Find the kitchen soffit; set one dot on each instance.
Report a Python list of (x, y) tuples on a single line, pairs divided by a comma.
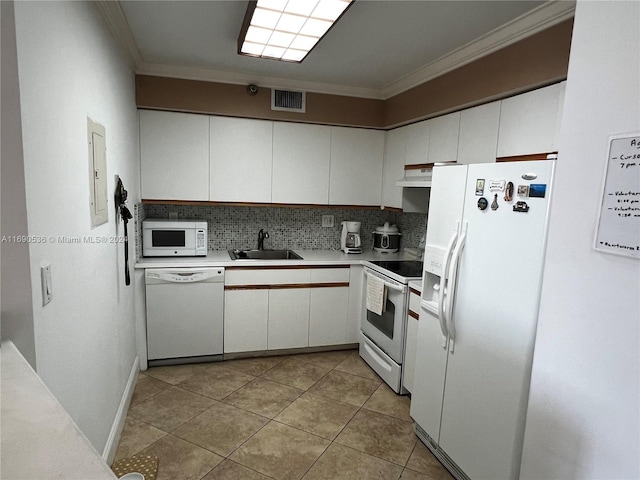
[(377, 50)]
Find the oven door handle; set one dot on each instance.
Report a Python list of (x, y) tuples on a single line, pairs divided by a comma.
[(392, 286)]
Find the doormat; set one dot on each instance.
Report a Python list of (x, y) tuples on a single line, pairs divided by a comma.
[(144, 464)]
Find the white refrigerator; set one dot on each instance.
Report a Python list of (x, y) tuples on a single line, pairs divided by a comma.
[(486, 234)]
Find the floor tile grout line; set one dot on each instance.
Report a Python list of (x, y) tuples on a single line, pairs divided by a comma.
[(273, 419)]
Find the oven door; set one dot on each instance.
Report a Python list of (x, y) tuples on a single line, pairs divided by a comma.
[(387, 330)]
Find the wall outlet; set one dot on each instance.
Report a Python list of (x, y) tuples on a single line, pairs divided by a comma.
[(327, 220), (45, 278)]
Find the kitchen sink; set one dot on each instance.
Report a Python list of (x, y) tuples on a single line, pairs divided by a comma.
[(264, 255)]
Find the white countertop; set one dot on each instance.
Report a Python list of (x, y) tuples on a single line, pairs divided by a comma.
[(39, 438), (416, 285), (221, 258)]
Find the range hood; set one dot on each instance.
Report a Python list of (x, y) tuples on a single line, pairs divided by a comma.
[(419, 175), (416, 176)]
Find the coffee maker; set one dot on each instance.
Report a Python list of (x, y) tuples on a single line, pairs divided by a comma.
[(350, 238)]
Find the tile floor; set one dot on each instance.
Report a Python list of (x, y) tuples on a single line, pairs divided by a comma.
[(313, 416)]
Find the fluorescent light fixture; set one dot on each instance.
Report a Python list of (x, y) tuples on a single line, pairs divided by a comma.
[(287, 30)]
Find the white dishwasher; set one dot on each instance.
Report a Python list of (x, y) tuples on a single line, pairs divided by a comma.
[(185, 309)]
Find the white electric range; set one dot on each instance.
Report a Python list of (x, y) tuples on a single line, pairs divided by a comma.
[(382, 337)]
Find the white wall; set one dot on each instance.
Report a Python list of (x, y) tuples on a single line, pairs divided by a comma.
[(583, 417), (70, 69), (17, 312)]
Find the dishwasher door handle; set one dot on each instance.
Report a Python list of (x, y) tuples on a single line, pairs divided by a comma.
[(191, 277), (185, 276)]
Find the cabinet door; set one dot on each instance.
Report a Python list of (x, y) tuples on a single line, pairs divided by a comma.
[(478, 139), (411, 343), (288, 318), (329, 306), (393, 168), (241, 157), (529, 122), (245, 320), (356, 166), (443, 138), (417, 150), (174, 156), (328, 321), (301, 157), (356, 302)]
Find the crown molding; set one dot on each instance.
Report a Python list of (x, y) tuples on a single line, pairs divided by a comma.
[(116, 21), (546, 15)]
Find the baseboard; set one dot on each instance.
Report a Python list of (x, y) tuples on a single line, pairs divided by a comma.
[(118, 423)]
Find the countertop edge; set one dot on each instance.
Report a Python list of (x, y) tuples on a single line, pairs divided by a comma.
[(220, 258), (39, 437)]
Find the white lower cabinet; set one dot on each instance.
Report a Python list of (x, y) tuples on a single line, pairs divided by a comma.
[(329, 307), (328, 316), (273, 309), (411, 341), (245, 320), (288, 318), (356, 286)]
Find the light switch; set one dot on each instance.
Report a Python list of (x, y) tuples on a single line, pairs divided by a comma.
[(45, 277)]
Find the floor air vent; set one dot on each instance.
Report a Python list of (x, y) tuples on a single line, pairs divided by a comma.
[(288, 100)]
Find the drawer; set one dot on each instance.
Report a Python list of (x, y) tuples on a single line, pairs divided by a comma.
[(266, 276), (330, 275)]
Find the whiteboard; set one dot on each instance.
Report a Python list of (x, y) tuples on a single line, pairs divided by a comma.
[(618, 228)]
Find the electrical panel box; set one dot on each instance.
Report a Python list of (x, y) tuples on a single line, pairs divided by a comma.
[(97, 173)]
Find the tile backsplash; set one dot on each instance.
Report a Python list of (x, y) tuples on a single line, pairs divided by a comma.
[(233, 227)]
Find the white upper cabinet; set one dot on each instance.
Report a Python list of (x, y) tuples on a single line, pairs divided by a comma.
[(443, 138), (393, 168), (241, 159), (529, 123), (301, 158), (417, 140), (174, 156), (478, 139), (356, 166)]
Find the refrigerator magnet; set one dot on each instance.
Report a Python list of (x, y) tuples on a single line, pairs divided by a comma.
[(482, 203), (494, 204), (523, 190), (521, 207), (480, 186), (537, 190), (508, 193), (497, 185)]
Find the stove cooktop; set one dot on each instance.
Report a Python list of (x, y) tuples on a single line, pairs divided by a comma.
[(409, 269)]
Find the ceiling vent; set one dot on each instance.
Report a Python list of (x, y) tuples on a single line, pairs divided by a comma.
[(288, 100)]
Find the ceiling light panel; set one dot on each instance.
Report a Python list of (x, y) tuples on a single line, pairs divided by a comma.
[(287, 29)]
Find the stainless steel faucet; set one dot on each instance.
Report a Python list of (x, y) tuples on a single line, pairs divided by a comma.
[(261, 236)]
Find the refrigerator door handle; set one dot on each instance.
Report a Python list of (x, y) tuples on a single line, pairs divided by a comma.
[(452, 281), (443, 284)]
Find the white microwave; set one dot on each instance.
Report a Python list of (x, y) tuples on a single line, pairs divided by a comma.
[(174, 238)]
